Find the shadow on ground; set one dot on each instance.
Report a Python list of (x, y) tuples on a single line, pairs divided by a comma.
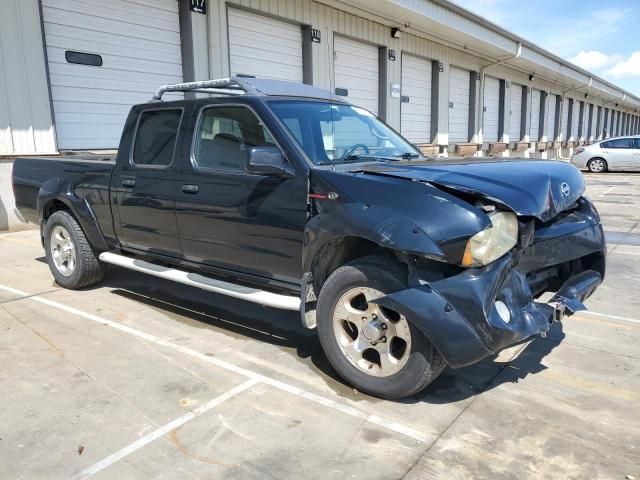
[(283, 329)]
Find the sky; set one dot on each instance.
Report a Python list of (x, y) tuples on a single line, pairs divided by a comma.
[(600, 36)]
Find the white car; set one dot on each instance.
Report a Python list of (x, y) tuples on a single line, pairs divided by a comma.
[(620, 153)]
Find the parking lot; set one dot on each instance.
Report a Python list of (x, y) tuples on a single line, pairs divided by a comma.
[(142, 378)]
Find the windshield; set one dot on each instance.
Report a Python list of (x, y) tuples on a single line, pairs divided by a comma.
[(333, 133)]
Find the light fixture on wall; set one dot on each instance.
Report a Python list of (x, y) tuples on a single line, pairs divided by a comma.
[(531, 77), (395, 32)]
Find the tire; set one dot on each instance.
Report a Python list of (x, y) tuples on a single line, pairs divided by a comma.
[(597, 165), (71, 259), (415, 367)]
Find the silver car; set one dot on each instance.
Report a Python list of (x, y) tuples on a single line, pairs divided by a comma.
[(620, 153)]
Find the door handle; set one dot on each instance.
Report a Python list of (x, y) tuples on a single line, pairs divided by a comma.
[(190, 188), (129, 183)]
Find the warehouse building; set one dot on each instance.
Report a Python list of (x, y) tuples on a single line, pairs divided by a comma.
[(446, 78)]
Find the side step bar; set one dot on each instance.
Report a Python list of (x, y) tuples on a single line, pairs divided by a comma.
[(250, 294)]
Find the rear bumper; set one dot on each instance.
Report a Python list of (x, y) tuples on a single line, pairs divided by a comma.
[(459, 314), (579, 161)]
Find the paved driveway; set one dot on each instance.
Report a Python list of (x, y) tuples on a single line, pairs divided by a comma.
[(140, 378)]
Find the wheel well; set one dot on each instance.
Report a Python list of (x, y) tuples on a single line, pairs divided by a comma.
[(598, 158), (51, 207), (340, 251)]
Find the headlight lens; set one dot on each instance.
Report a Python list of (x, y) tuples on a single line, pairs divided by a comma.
[(493, 242)]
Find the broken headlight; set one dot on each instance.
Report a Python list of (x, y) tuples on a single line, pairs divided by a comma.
[(492, 242)]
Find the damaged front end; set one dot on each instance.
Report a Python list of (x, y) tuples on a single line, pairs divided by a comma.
[(471, 313)]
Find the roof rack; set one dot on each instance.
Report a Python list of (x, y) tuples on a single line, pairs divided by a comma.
[(220, 86)]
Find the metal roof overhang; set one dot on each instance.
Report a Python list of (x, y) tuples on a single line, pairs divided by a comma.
[(454, 25)]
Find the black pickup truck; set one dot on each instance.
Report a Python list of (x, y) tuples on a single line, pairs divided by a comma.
[(286, 195)]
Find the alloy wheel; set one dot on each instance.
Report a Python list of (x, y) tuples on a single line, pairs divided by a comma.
[(63, 251), (374, 339)]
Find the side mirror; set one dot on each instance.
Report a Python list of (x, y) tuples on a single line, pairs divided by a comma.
[(268, 161)]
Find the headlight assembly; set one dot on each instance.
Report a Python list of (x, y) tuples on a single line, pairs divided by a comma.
[(492, 242)]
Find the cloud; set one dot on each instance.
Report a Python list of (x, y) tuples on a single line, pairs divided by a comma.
[(559, 33), (594, 60), (626, 68), (560, 38)]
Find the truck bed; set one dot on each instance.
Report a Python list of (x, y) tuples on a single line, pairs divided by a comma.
[(84, 176)]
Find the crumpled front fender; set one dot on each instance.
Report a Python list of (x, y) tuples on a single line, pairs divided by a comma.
[(459, 316), (447, 330)]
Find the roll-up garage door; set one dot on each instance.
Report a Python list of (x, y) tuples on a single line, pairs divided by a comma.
[(612, 124), (264, 47), (575, 118), (593, 113), (534, 123), (102, 58), (551, 117), (491, 116), (565, 119), (415, 109), (458, 105), (356, 70), (515, 108), (617, 125)]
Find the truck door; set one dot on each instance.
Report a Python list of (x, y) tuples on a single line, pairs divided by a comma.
[(144, 183), (230, 219)]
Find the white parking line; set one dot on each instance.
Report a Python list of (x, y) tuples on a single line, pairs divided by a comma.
[(608, 190), (178, 422), (622, 252), (606, 315), (342, 406)]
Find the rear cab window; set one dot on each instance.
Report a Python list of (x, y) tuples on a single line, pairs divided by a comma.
[(155, 138)]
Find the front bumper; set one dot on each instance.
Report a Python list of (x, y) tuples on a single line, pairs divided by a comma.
[(459, 316)]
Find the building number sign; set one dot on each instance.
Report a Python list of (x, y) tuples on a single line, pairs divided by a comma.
[(198, 6)]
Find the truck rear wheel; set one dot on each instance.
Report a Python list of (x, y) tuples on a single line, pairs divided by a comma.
[(71, 259), (375, 349)]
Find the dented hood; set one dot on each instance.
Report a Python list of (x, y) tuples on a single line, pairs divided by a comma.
[(536, 188)]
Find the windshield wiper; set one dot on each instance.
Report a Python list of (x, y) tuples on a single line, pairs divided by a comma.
[(408, 155), (354, 156)]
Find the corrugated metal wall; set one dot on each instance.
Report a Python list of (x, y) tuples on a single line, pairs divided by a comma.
[(25, 119), (25, 112)]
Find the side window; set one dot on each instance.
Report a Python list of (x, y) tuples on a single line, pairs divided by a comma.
[(224, 136), (155, 138), (605, 145), (620, 143), (636, 143)]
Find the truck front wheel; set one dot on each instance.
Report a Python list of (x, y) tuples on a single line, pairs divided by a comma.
[(71, 259), (375, 349)]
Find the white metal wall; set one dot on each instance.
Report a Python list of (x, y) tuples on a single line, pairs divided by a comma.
[(25, 112), (264, 47), (212, 49), (357, 70), (139, 44), (515, 110), (415, 119), (491, 116), (458, 105)]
